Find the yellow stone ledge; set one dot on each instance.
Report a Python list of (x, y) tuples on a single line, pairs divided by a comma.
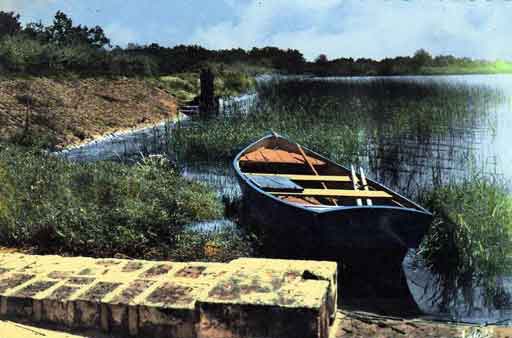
[(244, 298)]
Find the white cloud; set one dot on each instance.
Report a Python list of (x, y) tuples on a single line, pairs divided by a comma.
[(20, 5), (119, 34), (368, 28)]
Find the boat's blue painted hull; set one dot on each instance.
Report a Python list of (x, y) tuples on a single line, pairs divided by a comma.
[(296, 231), (300, 232)]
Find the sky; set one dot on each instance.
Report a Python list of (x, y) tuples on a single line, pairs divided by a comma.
[(480, 29)]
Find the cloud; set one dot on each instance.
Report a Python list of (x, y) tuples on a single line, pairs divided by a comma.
[(368, 28), (21, 5), (120, 35)]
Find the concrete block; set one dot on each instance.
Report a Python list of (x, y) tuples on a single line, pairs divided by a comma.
[(247, 298)]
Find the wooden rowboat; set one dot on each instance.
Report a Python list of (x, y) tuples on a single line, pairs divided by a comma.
[(303, 202)]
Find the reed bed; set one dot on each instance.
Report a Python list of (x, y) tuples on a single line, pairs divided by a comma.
[(340, 118), (469, 244)]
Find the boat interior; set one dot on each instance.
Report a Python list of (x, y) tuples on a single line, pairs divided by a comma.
[(296, 175)]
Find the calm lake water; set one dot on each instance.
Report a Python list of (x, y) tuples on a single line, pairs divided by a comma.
[(406, 162), (484, 145)]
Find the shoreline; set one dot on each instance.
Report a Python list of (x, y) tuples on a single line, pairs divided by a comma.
[(115, 133), (110, 145)]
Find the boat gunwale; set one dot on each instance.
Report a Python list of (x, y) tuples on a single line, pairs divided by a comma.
[(329, 209)]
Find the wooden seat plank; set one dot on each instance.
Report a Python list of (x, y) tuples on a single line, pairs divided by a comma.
[(275, 183), (307, 177), (336, 193)]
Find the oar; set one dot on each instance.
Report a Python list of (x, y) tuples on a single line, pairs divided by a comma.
[(354, 182), (365, 185), (314, 170)]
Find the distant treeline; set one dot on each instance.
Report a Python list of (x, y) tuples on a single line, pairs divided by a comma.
[(64, 47), (422, 62)]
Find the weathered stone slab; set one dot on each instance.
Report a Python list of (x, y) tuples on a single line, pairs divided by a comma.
[(245, 298), (235, 321), (299, 269), (269, 298)]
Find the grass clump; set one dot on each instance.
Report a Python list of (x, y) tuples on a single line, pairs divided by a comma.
[(99, 209), (232, 83), (470, 242), (223, 242), (185, 86)]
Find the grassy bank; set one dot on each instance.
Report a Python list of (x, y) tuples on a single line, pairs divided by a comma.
[(58, 111), (102, 209), (470, 242), (228, 82), (500, 67), (51, 112)]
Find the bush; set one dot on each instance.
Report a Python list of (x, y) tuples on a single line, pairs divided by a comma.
[(470, 241), (19, 54), (219, 244), (130, 65), (96, 209), (7, 200), (78, 58), (234, 83), (23, 54)]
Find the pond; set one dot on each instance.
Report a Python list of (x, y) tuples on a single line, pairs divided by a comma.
[(410, 133)]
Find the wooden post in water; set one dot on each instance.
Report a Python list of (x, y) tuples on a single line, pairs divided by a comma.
[(207, 104)]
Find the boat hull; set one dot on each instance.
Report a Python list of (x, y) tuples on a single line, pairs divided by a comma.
[(291, 229), (299, 232)]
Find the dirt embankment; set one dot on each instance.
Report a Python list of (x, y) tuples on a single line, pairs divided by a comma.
[(72, 111)]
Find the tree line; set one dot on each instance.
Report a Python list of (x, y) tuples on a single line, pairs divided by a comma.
[(63, 46), (422, 62)]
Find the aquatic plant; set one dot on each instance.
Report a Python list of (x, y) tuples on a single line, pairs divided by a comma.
[(340, 119), (469, 244)]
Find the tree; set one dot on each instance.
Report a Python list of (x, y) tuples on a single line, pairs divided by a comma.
[(9, 23), (322, 58), (63, 32), (37, 31), (421, 58)]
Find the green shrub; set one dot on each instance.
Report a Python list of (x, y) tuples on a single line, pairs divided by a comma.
[(470, 241), (23, 54), (20, 54), (78, 58), (131, 65), (179, 82), (7, 201), (184, 86), (223, 244), (233, 83), (97, 209)]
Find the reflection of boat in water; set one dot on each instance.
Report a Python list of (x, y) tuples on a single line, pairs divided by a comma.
[(303, 201)]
